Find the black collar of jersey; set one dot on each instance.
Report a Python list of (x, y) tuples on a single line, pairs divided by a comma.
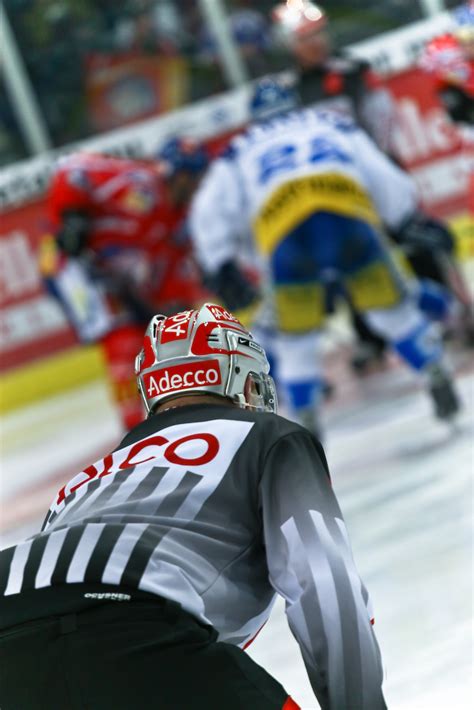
[(186, 412)]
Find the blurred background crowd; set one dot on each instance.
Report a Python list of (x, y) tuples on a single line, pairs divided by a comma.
[(97, 65)]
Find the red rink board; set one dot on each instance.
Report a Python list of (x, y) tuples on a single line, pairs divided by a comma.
[(30, 326), (430, 146)]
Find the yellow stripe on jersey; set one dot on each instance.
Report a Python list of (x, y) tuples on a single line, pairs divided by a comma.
[(297, 199)]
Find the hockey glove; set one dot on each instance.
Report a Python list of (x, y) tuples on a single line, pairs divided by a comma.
[(72, 236), (232, 287), (459, 104), (423, 232)]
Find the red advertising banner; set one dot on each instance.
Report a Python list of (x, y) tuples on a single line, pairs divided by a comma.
[(431, 147), (31, 325)]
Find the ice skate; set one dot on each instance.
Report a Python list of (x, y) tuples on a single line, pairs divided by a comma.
[(445, 400)]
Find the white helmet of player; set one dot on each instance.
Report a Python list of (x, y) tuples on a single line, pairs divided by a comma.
[(296, 18), (205, 351)]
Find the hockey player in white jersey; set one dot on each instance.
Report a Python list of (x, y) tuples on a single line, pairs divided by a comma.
[(159, 563), (314, 191)]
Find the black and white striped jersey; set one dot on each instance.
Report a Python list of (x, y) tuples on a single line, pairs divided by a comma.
[(218, 509)]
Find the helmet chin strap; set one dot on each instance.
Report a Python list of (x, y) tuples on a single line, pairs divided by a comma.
[(240, 401)]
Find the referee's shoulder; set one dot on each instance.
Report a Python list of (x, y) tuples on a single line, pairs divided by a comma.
[(271, 427), (276, 426)]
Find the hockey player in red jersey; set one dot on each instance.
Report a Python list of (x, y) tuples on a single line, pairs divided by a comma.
[(120, 251), (157, 565), (449, 58)]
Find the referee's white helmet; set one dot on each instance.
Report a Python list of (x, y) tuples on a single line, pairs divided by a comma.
[(205, 351)]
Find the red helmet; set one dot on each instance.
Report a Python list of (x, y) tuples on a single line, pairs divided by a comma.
[(296, 18), (205, 351)]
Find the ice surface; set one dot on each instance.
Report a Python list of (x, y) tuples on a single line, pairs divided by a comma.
[(404, 482)]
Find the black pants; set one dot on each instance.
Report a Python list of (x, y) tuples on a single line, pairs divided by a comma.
[(129, 656)]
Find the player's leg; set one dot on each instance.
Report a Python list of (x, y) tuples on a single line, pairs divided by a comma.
[(300, 377), (418, 342), (369, 347), (378, 289), (119, 348), (300, 311)]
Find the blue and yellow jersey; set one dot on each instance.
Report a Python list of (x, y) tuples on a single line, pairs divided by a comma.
[(278, 173)]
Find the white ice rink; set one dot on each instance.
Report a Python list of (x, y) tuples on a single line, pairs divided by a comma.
[(404, 482)]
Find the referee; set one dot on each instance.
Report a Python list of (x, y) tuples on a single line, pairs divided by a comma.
[(157, 565)]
